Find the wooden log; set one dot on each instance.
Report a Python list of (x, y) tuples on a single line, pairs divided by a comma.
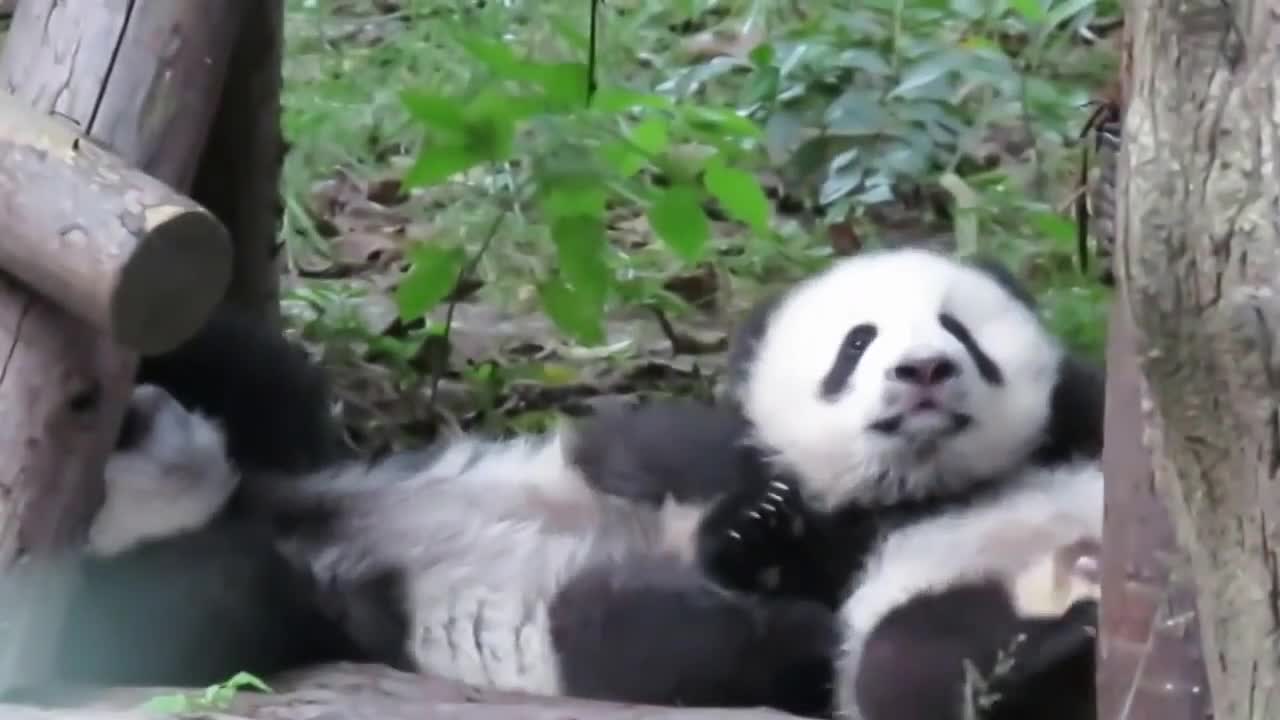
[(239, 176), (115, 247), (353, 691), (148, 95), (156, 90)]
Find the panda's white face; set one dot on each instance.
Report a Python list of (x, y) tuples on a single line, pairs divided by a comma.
[(899, 373)]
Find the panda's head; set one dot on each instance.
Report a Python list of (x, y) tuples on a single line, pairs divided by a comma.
[(896, 374)]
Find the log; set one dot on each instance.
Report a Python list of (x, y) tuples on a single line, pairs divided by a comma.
[(63, 386), (154, 94), (110, 244), (1198, 264), (239, 176), (354, 691)]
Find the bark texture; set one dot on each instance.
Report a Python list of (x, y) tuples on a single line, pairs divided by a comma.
[(140, 77), (1199, 261), (348, 691), (110, 244), (1150, 665)]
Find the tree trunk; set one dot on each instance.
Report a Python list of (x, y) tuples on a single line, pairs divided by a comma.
[(349, 691), (1199, 264), (1149, 664), (108, 243), (239, 175), (140, 77)]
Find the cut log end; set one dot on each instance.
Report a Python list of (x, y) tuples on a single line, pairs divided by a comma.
[(176, 275)]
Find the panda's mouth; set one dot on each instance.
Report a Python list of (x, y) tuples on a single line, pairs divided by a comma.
[(953, 422)]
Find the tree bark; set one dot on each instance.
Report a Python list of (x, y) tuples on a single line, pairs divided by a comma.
[(1199, 264), (110, 244), (140, 77), (350, 691), (1149, 660), (239, 175)]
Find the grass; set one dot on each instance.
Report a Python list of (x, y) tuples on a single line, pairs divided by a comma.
[(948, 122)]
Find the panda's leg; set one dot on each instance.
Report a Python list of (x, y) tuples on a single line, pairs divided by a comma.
[(271, 400), (940, 657), (654, 630), (1050, 672)]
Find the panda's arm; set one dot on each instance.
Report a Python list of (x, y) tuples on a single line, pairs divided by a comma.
[(768, 540), (681, 449), (269, 398)]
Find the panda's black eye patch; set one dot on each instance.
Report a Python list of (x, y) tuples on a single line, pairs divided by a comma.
[(855, 343), (987, 367)]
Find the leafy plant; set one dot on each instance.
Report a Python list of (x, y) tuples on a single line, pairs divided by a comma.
[(214, 697), (621, 146)]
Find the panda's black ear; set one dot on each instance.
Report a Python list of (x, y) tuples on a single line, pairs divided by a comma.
[(998, 271), (1077, 407)]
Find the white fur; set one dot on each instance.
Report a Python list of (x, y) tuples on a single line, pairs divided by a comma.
[(1002, 538), (901, 292), (488, 531), (175, 480)]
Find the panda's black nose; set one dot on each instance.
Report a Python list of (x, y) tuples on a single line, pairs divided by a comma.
[(925, 371)]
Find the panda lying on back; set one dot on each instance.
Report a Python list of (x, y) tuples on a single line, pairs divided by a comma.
[(576, 563)]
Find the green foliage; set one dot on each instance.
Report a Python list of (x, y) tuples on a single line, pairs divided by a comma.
[(215, 697), (858, 110), (622, 146)]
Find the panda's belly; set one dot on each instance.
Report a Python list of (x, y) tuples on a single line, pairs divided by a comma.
[(480, 613)]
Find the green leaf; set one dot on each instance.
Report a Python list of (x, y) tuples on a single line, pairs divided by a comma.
[(177, 703), (1030, 10), (496, 55), (623, 158), (619, 100), (568, 200), (564, 83), (436, 111), (926, 71), (721, 120), (677, 217), (1055, 227), (650, 135), (437, 162), (429, 281), (740, 194), (247, 680), (580, 245), (572, 311), (1066, 10)]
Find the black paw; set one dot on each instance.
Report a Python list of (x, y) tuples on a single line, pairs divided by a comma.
[(754, 541)]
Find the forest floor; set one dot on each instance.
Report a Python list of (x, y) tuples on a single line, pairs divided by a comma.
[(952, 122)]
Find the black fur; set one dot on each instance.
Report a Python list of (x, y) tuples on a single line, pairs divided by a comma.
[(198, 608), (653, 630), (685, 449), (913, 664)]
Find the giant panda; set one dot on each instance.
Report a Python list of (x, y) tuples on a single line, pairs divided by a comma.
[(598, 561), (178, 585), (933, 450)]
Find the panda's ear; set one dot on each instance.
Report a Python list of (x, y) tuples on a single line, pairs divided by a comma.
[(998, 271)]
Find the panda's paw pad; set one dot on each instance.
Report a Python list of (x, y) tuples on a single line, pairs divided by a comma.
[(747, 541)]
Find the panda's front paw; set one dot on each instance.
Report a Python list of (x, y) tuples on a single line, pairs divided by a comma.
[(750, 540), (168, 474)]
